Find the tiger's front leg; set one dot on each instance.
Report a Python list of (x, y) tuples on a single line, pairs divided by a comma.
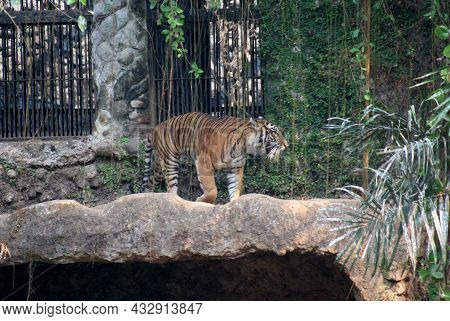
[(205, 173), (235, 177)]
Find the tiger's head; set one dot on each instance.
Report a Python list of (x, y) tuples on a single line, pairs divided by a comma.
[(268, 140)]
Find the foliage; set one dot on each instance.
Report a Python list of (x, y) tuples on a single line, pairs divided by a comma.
[(432, 274), (409, 192), (81, 21), (171, 18), (409, 195), (308, 75), (125, 172)]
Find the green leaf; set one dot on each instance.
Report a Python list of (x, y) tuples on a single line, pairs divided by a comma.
[(445, 74), (71, 2), (355, 33), (15, 4), (196, 70), (437, 275), (377, 5), (443, 115), (82, 23), (423, 275), (431, 14), (446, 294), (83, 2), (153, 4), (441, 32), (164, 7), (446, 51), (178, 22)]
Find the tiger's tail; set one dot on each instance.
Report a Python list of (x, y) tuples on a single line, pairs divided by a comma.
[(147, 167)]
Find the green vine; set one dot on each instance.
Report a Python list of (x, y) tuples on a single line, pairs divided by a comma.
[(171, 17)]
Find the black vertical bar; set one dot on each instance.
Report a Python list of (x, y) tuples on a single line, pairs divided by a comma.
[(71, 89), (44, 123), (245, 89), (62, 81), (259, 73), (192, 43), (89, 66), (252, 74), (216, 66), (19, 107), (11, 106), (80, 89), (261, 80), (2, 85), (175, 85), (9, 130), (14, 78), (5, 83), (256, 78), (33, 80), (206, 54), (52, 81), (25, 113)]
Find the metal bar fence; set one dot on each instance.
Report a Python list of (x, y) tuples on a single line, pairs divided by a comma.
[(46, 87), (225, 45)]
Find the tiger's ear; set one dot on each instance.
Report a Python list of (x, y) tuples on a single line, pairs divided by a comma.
[(252, 122)]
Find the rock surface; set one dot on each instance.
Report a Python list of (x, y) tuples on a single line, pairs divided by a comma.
[(46, 153), (161, 228), (119, 55)]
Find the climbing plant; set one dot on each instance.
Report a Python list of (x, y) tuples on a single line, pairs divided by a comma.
[(81, 21), (408, 199), (308, 70)]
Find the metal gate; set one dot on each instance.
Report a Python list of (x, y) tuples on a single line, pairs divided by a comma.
[(46, 87), (224, 43)]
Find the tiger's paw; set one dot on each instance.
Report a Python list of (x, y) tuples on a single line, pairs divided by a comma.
[(206, 199)]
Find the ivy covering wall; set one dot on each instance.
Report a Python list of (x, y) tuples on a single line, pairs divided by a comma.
[(312, 56)]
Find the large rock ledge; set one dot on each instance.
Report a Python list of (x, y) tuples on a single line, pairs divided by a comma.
[(160, 228)]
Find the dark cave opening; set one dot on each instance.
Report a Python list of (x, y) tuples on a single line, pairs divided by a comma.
[(293, 276)]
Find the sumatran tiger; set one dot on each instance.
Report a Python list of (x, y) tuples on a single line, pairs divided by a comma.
[(215, 144)]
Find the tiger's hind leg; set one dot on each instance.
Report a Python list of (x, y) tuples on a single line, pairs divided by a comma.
[(171, 174), (235, 177), (205, 173), (156, 178), (153, 174)]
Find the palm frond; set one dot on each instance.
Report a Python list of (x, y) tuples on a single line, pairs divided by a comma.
[(408, 200)]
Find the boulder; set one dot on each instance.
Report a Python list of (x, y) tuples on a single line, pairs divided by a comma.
[(161, 228)]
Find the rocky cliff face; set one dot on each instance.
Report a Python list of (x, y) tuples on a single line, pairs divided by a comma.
[(163, 228)]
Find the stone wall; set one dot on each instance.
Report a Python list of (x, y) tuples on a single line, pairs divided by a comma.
[(40, 170), (82, 169), (120, 45)]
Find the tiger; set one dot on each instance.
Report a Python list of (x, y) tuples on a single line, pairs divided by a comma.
[(214, 144)]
